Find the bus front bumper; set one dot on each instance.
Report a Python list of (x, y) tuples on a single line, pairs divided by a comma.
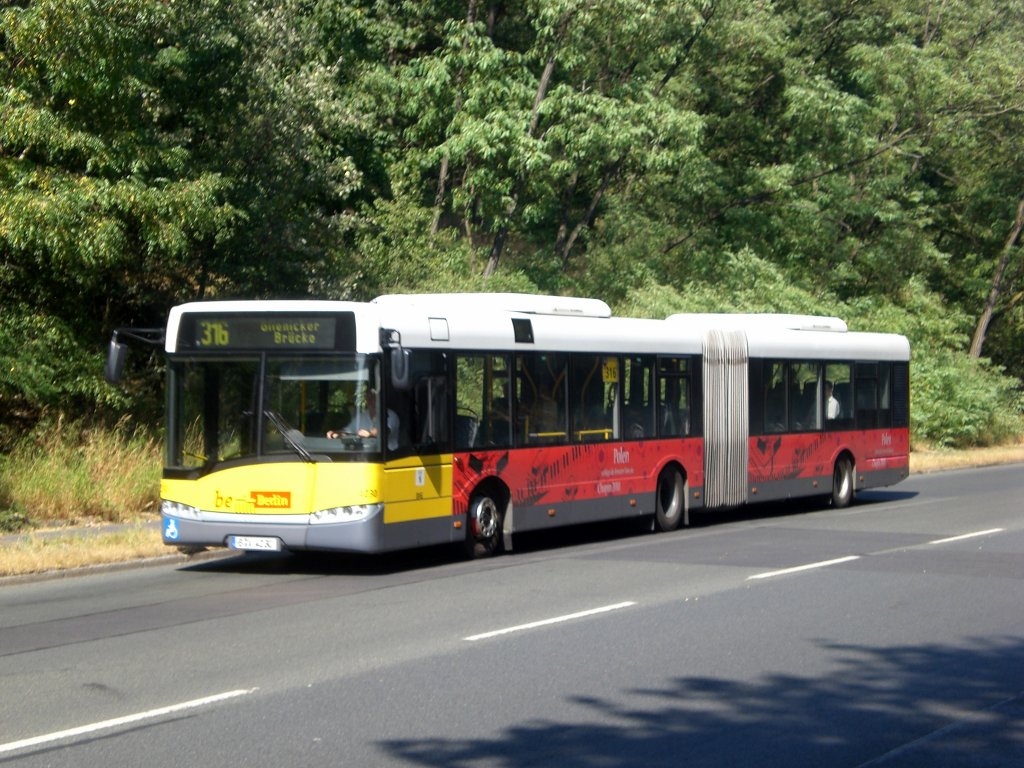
[(196, 528)]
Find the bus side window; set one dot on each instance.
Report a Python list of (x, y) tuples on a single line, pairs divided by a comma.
[(420, 413), (469, 399), (673, 397), (541, 386), (884, 395), (804, 385), (431, 429), (497, 425), (865, 393), (774, 389), (637, 398), (594, 397), (838, 396), (900, 394), (755, 404)]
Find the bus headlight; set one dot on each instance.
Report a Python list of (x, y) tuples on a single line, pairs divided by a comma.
[(345, 514), (177, 509)]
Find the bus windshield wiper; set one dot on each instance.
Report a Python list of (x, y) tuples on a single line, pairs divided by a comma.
[(286, 431)]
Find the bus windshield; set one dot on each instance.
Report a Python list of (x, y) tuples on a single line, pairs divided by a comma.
[(265, 406)]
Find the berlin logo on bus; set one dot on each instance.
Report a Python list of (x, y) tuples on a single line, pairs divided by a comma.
[(272, 499), (256, 500)]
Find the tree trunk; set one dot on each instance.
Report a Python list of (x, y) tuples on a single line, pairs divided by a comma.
[(442, 175), (565, 241), (542, 91), (978, 341), (442, 184)]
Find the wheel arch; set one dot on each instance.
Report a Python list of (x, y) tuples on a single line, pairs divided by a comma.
[(842, 498), (847, 453), (680, 465), (675, 464), (496, 488)]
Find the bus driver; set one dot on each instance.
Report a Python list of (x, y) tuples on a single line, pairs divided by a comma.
[(365, 423)]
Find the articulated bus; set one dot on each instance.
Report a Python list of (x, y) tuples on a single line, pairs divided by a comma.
[(419, 420)]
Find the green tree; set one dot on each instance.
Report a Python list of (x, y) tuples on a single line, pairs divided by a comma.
[(152, 152), (513, 127), (850, 157), (89, 194)]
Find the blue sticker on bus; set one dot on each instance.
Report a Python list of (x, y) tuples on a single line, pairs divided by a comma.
[(171, 532)]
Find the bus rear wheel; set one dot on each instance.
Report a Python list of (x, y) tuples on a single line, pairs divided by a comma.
[(484, 537), (842, 483), (669, 500)]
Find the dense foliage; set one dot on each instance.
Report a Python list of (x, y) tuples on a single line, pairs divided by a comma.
[(850, 157)]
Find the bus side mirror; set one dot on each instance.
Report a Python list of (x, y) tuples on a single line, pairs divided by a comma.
[(399, 368), (116, 355), (391, 340)]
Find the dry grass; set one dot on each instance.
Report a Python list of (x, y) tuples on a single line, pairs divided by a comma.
[(923, 460), (69, 475), (42, 552)]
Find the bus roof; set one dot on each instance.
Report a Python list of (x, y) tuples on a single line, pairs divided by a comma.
[(527, 303), (741, 321), (498, 331), (511, 321), (789, 336)]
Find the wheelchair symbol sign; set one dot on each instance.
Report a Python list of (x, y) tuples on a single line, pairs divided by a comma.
[(171, 531)]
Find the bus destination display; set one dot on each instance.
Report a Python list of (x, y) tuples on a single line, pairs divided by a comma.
[(281, 332)]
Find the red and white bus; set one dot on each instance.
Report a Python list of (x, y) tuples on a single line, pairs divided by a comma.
[(415, 420)]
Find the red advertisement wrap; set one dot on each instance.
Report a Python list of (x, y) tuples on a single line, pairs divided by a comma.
[(550, 476), (785, 457)]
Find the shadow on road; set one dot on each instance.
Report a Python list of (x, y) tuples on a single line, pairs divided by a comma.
[(929, 706)]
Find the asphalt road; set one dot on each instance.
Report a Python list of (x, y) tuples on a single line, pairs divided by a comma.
[(887, 634)]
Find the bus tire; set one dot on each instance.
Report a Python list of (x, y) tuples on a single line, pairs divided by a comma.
[(842, 483), (485, 521), (669, 499)]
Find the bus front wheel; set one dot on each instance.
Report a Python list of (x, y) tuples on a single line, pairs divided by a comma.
[(484, 537), (842, 483), (669, 499)]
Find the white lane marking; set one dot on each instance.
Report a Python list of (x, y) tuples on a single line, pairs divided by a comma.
[(989, 532), (546, 622), (119, 721), (808, 567)]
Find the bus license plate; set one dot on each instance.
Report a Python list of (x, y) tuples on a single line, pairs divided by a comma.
[(255, 543)]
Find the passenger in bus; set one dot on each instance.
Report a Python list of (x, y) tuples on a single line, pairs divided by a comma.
[(365, 423), (832, 408)]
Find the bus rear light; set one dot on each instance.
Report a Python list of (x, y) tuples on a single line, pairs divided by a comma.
[(345, 514)]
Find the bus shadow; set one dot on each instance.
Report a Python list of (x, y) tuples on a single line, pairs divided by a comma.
[(328, 563), (790, 507), (404, 561)]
